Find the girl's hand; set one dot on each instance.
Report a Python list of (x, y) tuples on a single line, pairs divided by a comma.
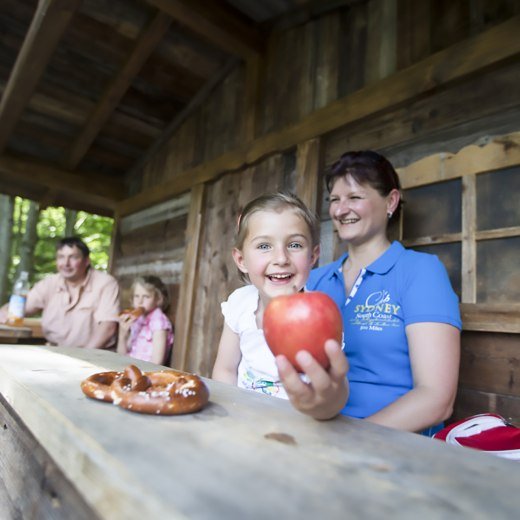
[(327, 391), (125, 322)]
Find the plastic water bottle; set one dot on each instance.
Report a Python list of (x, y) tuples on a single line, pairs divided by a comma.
[(16, 311)]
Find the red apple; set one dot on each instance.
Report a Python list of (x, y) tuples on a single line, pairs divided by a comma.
[(302, 321)]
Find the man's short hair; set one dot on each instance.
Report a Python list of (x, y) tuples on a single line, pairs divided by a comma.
[(74, 242)]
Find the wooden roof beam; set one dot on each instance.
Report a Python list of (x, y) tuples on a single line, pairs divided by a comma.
[(48, 24), (148, 40), (489, 49), (87, 189), (215, 24)]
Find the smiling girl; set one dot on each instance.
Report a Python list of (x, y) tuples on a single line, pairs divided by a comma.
[(276, 245)]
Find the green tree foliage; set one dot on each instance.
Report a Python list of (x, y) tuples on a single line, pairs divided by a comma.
[(94, 230)]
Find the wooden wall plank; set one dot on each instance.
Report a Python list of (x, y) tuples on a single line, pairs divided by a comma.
[(217, 275), (413, 32), (490, 362), (308, 162), (468, 57), (492, 317)]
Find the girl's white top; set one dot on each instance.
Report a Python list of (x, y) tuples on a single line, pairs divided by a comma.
[(257, 369)]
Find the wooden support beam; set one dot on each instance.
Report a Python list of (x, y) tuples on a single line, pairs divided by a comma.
[(48, 24), (148, 40), (469, 244), (491, 317), (87, 190), (215, 24), (487, 50), (184, 316), (307, 172)]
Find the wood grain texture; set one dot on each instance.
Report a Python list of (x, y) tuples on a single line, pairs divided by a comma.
[(48, 24), (31, 484), (242, 456), (487, 50)]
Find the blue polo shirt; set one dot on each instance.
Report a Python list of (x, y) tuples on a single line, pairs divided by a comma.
[(400, 288)]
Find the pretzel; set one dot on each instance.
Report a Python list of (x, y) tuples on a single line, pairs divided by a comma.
[(165, 392), (99, 386), (135, 313)]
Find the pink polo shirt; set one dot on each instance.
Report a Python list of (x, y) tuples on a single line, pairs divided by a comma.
[(70, 317)]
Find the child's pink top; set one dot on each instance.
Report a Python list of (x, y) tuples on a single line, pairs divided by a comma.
[(141, 334)]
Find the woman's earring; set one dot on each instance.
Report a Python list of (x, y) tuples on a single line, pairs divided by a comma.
[(389, 215)]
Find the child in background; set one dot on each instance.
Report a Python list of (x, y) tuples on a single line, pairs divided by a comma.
[(148, 337), (277, 244)]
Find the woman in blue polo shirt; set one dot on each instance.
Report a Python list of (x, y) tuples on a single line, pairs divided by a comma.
[(400, 314)]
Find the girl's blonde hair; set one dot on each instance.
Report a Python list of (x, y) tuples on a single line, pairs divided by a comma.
[(156, 285), (277, 202)]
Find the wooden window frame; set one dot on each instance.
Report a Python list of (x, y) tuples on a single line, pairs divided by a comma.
[(500, 153)]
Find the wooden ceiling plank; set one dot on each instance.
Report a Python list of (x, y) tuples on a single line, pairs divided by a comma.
[(93, 188), (177, 121), (48, 24), (150, 37), (244, 40), (489, 49)]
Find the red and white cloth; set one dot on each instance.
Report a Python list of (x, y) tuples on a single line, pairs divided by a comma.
[(485, 432)]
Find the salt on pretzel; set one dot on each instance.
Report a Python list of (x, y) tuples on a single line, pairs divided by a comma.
[(99, 386), (165, 392)]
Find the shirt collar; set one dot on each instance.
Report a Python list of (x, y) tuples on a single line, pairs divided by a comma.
[(387, 260), (85, 284), (380, 266)]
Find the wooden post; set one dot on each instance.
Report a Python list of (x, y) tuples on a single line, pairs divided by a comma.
[(469, 245), (183, 317)]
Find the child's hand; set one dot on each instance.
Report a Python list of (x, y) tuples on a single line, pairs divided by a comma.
[(327, 391), (125, 322)]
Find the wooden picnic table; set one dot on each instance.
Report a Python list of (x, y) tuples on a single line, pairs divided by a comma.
[(9, 334), (244, 456)]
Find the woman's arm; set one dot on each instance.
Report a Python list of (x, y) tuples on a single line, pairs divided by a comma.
[(225, 368), (434, 357), (159, 339), (327, 391)]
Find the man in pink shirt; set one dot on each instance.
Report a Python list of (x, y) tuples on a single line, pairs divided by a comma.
[(79, 305)]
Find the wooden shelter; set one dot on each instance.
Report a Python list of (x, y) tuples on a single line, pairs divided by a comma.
[(171, 114)]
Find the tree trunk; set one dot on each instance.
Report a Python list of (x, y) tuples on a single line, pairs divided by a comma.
[(29, 239), (70, 221), (6, 229)]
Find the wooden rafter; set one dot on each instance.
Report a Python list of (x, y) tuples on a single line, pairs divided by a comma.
[(149, 38), (48, 24), (215, 25), (92, 189), (489, 49)]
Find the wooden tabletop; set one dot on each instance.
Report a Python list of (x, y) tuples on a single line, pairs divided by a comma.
[(10, 334), (244, 456)]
